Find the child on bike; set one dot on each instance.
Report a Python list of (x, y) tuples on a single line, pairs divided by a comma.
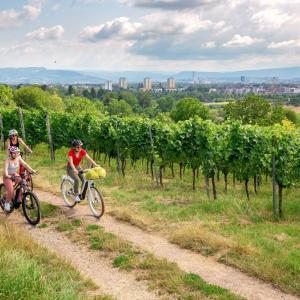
[(75, 155), (11, 171)]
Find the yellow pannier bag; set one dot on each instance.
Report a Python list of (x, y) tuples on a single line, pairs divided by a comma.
[(95, 173)]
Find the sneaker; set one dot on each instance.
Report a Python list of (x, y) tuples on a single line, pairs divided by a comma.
[(77, 199), (7, 207)]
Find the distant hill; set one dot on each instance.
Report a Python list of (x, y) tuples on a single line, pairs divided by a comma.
[(281, 73), (44, 76), (133, 76)]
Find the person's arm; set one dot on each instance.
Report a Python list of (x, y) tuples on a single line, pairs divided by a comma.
[(25, 146), (6, 169), (91, 160), (26, 165), (72, 165)]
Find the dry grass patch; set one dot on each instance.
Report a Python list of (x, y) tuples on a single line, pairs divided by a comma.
[(128, 216), (196, 237)]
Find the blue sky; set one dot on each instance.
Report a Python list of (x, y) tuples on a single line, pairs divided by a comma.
[(154, 35)]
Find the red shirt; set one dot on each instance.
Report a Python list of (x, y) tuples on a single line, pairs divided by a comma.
[(76, 160)]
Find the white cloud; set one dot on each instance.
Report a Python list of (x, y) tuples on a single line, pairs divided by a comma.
[(170, 4), (284, 44), (209, 45), (44, 33), (241, 41), (12, 17), (120, 28), (269, 19), (149, 27)]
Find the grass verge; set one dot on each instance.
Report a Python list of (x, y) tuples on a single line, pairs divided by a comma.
[(29, 271)]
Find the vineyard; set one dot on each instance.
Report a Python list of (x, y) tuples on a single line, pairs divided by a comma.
[(247, 153)]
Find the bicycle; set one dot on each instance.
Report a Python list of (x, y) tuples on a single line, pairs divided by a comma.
[(94, 197), (29, 200)]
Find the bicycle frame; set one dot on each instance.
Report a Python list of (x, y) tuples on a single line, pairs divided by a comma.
[(85, 186)]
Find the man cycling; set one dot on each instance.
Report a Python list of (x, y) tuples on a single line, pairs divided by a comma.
[(75, 155)]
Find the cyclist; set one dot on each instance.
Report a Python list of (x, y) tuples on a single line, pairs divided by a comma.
[(11, 170), (15, 140), (75, 155)]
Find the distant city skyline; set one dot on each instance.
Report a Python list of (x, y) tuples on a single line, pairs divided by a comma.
[(154, 35)]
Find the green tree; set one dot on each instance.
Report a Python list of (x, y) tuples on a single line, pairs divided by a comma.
[(34, 97), (80, 105), (130, 98), (166, 104), (120, 107), (144, 99), (292, 116), (71, 90), (6, 97), (109, 97), (278, 114), (188, 108), (251, 110)]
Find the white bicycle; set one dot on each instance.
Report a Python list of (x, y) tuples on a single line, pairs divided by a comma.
[(94, 197)]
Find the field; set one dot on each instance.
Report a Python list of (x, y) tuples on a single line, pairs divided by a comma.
[(231, 229)]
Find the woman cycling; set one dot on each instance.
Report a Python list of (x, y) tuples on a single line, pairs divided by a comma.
[(11, 171), (75, 155), (15, 140)]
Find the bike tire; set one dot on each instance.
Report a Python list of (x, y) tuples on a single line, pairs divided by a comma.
[(2, 192), (96, 202), (31, 208), (65, 188)]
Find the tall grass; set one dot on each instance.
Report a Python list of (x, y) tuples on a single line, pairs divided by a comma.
[(28, 271)]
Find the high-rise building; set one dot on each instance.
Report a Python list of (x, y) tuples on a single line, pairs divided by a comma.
[(171, 83), (243, 79), (108, 86), (123, 84), (147, 84)]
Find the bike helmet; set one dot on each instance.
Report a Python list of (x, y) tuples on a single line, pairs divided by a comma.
[(76, 143), (14, 149), (13, 132)]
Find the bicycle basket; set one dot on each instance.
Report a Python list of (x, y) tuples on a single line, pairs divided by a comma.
[(95, 173)]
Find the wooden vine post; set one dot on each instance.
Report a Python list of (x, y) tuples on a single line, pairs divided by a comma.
[(1, 133), (153, 155), (22, 126), (274, 179), (50, 137)]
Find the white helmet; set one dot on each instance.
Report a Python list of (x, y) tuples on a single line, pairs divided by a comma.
[(13, 132), (14, 149)]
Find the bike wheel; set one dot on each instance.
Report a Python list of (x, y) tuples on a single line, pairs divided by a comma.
[(2, 195), (96, 202), (31, 208), (67, 192)]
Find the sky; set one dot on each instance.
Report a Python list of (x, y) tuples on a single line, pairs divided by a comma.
[(153, 35)]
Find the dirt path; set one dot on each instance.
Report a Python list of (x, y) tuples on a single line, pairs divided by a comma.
[(91, 265), (210, 270)]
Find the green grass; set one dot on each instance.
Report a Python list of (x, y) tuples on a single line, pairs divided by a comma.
[(243, 233), (29, 271)]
